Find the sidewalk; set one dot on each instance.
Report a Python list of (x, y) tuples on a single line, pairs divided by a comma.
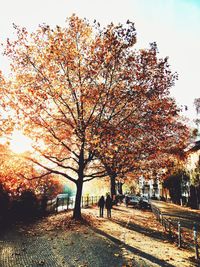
[(131, 238), (185, 215)]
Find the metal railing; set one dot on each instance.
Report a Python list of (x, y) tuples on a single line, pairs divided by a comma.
[(67, 203), (177, 230)]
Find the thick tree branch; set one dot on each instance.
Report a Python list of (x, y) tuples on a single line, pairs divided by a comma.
[(50, 170)]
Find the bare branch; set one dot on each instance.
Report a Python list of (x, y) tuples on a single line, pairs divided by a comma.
[(52, 170), (36, 177)]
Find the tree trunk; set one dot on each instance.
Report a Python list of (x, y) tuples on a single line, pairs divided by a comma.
[(193, 197), (112, 176), (77, 207), (120, 189), (113, 185), (79, 186)]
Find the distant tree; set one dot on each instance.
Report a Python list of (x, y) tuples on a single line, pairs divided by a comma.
[(196, 132), (197, 105), (4, 202), (28, 204), (16, 176), (173, 183)]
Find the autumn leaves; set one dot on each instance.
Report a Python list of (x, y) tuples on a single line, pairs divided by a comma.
[(99, 106)]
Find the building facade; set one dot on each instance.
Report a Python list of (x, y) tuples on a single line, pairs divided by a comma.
[(151, 188)]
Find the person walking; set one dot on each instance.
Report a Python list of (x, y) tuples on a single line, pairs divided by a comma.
[(101, 204), (108, 205)]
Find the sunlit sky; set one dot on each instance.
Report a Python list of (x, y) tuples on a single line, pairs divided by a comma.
[(20, 143), (173, 24)]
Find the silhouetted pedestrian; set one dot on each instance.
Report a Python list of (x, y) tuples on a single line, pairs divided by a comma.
[(108, 206), (101, 204)]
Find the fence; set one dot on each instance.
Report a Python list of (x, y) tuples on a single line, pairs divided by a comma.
[(66, 203), (184, 234)]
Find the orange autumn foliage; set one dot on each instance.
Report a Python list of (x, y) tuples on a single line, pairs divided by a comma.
[(87, 97), (16, 176)]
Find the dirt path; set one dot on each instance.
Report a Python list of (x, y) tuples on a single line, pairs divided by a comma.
[(131, 238), (185, 215)]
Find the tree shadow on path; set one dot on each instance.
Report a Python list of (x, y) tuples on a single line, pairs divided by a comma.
[(77, 247), (140, 229), (143, 255), (121, 210)]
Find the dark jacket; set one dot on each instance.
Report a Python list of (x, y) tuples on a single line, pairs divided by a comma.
[(101, 202), (108, 202)]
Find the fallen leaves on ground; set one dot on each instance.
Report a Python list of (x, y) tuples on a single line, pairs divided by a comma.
[(139, 230), (56, 222)]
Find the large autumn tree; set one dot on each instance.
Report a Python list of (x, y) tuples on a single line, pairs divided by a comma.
[(77, 86)]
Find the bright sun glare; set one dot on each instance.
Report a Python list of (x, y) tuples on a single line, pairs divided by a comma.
[(20, 143)]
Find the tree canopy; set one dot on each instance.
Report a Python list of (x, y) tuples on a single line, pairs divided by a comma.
[(84, 94)]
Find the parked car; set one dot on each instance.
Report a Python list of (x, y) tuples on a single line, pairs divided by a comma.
[(144, 203), (132, 200)]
